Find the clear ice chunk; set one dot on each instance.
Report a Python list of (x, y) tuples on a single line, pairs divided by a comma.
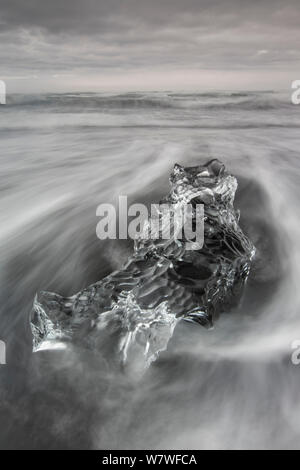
[(131, 314)]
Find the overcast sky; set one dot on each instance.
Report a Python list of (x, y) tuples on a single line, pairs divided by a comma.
[(61, 45)]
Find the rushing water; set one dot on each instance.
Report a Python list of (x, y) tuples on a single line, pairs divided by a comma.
[(61, 156)]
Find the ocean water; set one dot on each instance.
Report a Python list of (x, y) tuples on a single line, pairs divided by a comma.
[(233, 387)]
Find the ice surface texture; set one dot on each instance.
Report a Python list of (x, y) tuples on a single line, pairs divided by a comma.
[(131, 314)]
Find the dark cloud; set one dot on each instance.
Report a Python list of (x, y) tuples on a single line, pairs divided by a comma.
[(90, 15), (82, 36)]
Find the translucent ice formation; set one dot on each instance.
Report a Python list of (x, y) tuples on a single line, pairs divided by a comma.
[(131, 314)]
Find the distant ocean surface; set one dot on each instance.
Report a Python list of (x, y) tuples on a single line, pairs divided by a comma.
[(64, 154)]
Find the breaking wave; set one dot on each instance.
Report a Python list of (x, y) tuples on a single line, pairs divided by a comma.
[(83, 102)]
